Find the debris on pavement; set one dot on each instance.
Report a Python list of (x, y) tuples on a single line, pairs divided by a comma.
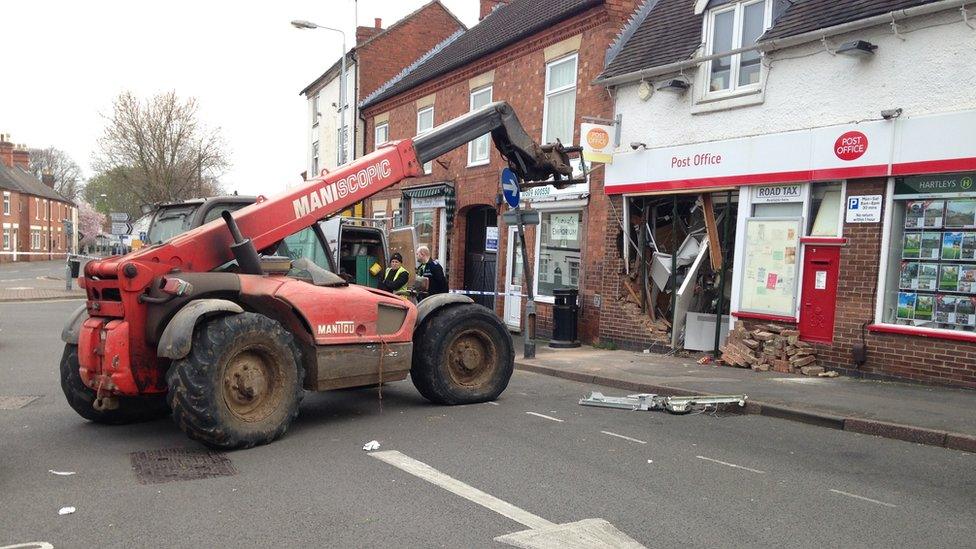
[(769, 347), (66, 510), (828, 374), (371, 445), (61, 473), (650, 401)]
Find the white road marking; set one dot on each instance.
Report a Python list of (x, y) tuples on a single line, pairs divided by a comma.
[(732, 465), (623, 437), (426, 472), (848, 494), (31, 545), (545, 416)]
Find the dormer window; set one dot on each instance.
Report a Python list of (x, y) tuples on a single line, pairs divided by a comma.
[(730, 26)]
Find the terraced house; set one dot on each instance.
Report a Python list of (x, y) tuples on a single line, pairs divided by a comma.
[(33, 216)]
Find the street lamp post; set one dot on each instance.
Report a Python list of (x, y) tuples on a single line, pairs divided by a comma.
[(343, 132)]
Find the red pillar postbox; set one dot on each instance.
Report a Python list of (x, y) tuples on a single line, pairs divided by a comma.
[(818, 298)]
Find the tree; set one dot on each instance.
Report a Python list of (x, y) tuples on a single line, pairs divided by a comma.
[(66, 172), (90, 224), (111, 192), (158, 151)]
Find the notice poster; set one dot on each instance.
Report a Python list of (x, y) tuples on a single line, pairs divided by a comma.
[(924, 307), (909, 276), (934, 210), (769, 284), (911, 246), (928, 276), (966, 311), (906, 305), (967, 279), (564, 226), (930, 245), (945, 309), (960, 214), (952, 246), (914, 215), (968, 246), (949, 278)]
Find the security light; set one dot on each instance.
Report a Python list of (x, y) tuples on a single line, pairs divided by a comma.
[(674, 85), (857, 48)]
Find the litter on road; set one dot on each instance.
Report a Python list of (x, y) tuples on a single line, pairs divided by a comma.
[(61, 473), (66, 510), (650, 401), (371, 445)]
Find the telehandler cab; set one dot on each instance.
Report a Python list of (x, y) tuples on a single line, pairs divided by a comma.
[(227, 339)]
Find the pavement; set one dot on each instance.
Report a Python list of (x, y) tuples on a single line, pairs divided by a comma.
[(35, 281), (918, 413), (704, 480)]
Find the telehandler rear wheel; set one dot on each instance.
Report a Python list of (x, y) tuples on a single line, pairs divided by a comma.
[(463, 355), (81, 398), (241, 384)]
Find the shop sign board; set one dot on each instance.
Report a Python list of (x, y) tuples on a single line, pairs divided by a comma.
[(427, 202), (946, 185), (564, 226), (548, 193), (768, 194), (491, 239), (596, 142), (864, 209)]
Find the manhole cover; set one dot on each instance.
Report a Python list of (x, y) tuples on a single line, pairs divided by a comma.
[(172, 464), (16, 402)]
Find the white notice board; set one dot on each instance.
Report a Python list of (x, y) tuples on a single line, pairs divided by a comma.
[(769, 271)]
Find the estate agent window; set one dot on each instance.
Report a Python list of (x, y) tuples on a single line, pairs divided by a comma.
[(425, 123), (930, 278), (728, 28), (479, 148), (560, 103), (559, 251)]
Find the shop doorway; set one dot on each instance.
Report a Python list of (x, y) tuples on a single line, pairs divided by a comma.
[(481, 253), (513, 281)]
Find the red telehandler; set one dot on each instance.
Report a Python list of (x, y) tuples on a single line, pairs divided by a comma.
[(219, 328)]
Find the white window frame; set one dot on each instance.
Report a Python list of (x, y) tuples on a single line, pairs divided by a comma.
[(734, 89), (315, 159), (574, 57), (565, 206), (315, 109), (6, 238), (6, 203), (472, 146), (381, 128), (340, 144), (429, 166)]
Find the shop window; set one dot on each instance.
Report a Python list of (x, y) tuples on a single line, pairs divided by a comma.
[(931, 274), (730, 27), (559, 251), (423, 221), (825, 210), (479, 148), (560, 102), (381, 134), (425, 123)]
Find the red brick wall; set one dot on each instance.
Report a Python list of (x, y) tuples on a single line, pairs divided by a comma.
[(519, 78), (385, 56)]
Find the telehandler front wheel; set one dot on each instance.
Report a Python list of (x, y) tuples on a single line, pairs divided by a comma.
[(463, 355), (241, 384), (81, 398)]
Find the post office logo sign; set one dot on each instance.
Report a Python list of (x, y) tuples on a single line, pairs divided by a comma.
[(851, 146)]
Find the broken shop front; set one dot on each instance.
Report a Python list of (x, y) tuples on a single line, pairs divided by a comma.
[(857, 240)]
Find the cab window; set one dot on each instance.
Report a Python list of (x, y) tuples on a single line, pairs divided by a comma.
[(305, 243)]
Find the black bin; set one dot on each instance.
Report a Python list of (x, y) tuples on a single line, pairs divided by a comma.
[(564, 314), (75, 267)]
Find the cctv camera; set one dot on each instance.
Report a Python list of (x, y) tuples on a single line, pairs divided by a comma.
[(888, 114), (637, 145)]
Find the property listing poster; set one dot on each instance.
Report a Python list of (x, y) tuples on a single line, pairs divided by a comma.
[(770, 267)]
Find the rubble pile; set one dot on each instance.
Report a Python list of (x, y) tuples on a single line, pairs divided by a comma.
[(770, 347)]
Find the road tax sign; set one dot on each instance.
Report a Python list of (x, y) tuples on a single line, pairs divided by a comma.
[(510, 187), (119, 217)]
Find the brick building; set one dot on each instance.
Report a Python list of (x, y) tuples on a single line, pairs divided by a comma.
[(32, 214), (540, 57), (848, 149), (378, 55)]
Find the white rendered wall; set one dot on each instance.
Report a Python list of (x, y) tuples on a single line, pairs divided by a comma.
[(327, 130), (933, 70)]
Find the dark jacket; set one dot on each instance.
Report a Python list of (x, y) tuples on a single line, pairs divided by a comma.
[(433, 271)]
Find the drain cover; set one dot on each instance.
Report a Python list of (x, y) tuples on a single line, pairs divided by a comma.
[(16, 402), (172, 464)]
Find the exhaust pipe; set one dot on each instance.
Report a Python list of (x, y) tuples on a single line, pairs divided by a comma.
[(243, 249)]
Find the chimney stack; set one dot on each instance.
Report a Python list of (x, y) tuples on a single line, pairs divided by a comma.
[(378, 23), (6, 151), (21, 157), (488, 6)]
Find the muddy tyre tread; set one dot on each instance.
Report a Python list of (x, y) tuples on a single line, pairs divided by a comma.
[(429, 371), (80, 397), (195, 397)]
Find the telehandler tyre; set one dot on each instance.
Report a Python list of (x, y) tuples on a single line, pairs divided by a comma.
[(463, 355), (241, 384), (80, 397)]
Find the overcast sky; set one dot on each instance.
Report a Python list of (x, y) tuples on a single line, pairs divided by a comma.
[(65, 60)]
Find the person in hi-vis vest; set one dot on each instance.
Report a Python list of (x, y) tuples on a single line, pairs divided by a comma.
[(396, 278)]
